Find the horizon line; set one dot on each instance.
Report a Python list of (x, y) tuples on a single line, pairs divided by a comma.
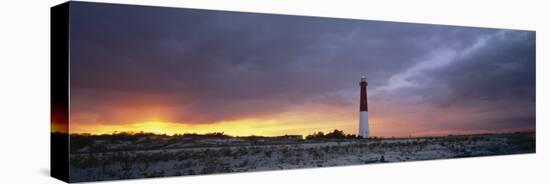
[(134, 133)]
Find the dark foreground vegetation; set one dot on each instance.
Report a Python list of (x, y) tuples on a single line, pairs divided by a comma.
[(143, 155)]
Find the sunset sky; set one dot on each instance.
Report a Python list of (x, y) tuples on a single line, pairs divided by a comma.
[(171, 70)]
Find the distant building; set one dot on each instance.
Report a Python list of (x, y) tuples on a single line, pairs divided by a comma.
[(289, 137)]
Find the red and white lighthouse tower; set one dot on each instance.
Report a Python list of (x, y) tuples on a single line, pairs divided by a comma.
[(363, 110)]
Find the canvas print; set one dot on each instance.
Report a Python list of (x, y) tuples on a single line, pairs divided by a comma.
[(141, 91)]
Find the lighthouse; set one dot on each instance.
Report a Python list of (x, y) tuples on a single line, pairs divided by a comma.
[(363, 110)]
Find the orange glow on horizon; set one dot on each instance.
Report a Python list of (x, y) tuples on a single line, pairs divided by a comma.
[(58, 127), (296, 120), (245, 127), (259, 127)]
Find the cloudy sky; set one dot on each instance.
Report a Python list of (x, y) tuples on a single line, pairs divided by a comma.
[(171, 70)]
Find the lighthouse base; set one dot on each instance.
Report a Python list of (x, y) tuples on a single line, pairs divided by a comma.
[(364, 124)]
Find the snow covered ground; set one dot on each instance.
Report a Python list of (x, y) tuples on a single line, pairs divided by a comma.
[(165, 156)]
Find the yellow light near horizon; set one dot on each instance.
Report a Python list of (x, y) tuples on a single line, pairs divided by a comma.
[(58, 127), (236, 128), (243, 127), (295, 121)]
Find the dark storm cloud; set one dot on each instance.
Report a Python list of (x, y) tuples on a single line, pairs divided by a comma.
[(492, 83), (502, 70), (217, 65), (499, 77)]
